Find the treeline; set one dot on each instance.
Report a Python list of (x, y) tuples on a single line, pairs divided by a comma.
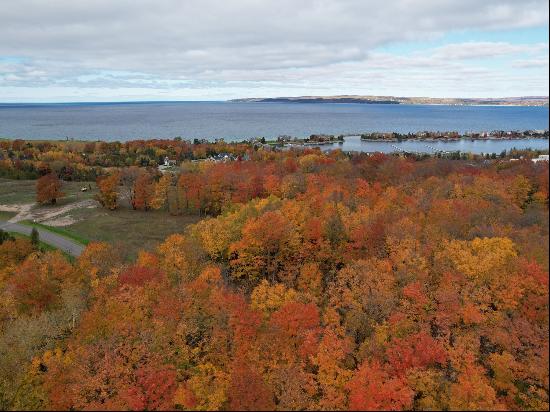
[(85, 161), (209, 188), (360, 283)]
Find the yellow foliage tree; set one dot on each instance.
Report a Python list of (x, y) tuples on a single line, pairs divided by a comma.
[(215, 236), (209, 387), (269, 298), (180, 257), (310, 280), (520, 190), (481, 258), (160, 193)]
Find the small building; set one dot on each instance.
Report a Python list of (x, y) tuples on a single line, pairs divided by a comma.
[(169, 162), (222, 157), (541, 158)]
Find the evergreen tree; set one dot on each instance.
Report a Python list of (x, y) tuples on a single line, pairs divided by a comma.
[(35, 237), (4, 236)]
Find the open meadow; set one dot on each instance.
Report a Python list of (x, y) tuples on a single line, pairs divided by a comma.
[(76, 215)]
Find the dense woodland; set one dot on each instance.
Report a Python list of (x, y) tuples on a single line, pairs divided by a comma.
[(85, 161), (314, 281)]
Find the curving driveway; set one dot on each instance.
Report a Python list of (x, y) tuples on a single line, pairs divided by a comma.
[(69, 246)]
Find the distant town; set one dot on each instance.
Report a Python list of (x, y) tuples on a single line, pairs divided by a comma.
[(326, 139), (453, 135), (501, 101)]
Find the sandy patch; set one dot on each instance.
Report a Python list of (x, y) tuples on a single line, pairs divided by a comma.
[(60, 221), (21, 209), (47, 214), (9, 208)]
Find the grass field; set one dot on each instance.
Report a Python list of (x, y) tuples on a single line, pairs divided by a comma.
[(24, 191), (6, 215), (130, 230), (127, 229), (60, 231)]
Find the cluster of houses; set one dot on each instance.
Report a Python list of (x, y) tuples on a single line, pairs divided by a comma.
[(449, 135), (171, 164), (508, 134), (222, 157), (541, 158), (394, 136)]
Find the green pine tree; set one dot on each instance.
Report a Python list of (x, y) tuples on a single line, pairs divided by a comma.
[(35, 237)]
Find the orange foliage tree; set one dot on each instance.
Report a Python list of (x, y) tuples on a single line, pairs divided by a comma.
[(48, 189), (108, 186)]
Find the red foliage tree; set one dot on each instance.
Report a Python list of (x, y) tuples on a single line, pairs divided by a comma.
[(247, 390), (372, 388), (143, 192), (416, 351), (153, 389)]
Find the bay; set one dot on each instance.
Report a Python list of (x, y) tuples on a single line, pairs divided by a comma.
[(238, 121)]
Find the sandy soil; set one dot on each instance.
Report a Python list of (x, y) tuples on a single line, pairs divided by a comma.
[(49, 215)]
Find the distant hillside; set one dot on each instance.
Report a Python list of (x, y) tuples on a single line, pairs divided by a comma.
[(503, 101)]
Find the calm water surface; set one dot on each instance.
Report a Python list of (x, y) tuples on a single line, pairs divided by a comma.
[(237, 121), (354, 143)]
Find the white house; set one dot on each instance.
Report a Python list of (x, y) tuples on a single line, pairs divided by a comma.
[(169, 162), (541, 158)]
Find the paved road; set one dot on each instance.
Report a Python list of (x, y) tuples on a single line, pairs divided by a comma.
[(67, 245)]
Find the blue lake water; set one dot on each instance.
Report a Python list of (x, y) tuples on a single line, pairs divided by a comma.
[(237, 121)]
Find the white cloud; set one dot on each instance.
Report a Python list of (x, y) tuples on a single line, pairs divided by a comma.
[(477, 50), (274, 46), (540, 62)]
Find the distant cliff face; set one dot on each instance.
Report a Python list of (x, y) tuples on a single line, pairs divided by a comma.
[(504, 101)]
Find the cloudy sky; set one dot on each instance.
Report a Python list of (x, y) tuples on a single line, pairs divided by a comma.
[(123, 50)]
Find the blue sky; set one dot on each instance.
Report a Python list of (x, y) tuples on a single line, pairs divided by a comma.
[(521, 36), (128, 50)]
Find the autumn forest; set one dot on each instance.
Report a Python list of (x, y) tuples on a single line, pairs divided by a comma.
[(311, 281)]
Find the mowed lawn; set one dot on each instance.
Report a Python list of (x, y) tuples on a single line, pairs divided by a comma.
[(128, 230), (24, 191), (6, 215)]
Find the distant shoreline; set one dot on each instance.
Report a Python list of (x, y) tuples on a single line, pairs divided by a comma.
[(318, 140), (525, 101), (530, 101), (233, 121)]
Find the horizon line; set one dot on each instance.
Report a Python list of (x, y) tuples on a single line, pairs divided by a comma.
[(245, 98)]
